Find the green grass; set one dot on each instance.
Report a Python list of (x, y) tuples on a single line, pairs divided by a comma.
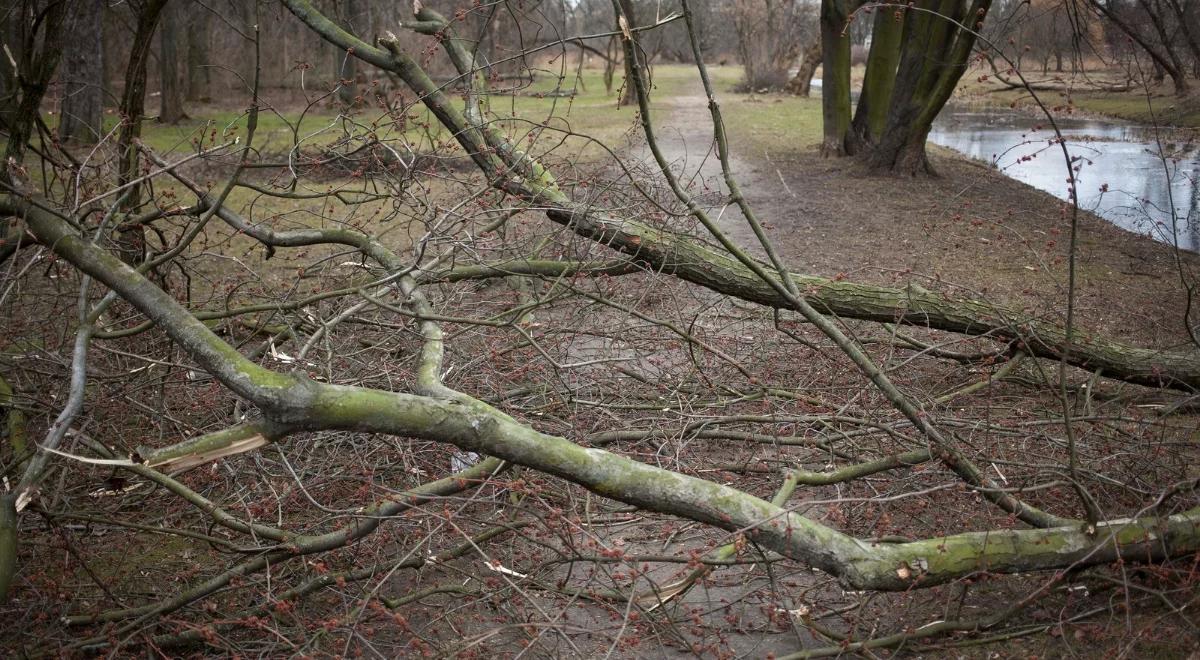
[(1160, 109), (771, 122), (583, 107), (274, 131)]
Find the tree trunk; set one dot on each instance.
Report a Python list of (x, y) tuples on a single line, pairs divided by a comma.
[(199, 77), (82, 111), (610, 65), (801, 83), (131, 243), (1189, 32), (248, 15), (1175, 68), (934, 56), (870, 119), (835, 77), (171, 106), (12, 28), (35, 60), (8, 543)]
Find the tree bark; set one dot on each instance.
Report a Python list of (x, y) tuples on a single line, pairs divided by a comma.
[(199, 77), (1189, 30), (8, 543), (1176, 70), (835, 78), (870, 118), (171, 106), (82, 111), (131, 242), (692, 261), (933, 58), (344, 64), (625, 8), (291, 402)]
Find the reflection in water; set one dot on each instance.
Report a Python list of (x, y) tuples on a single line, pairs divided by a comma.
[(1121, 175)]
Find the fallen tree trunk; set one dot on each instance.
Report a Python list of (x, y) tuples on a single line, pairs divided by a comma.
[(692, 260)]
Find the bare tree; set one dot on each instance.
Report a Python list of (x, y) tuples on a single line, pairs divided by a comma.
[(770, 37), (801, 83), (1149, 24), (35, 41)]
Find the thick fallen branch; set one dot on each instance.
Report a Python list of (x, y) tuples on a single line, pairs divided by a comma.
[(694, 261)]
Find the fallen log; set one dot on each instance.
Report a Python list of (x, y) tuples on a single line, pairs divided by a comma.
[(692, 260)]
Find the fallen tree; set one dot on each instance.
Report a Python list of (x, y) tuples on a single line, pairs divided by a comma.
[(291, 403)]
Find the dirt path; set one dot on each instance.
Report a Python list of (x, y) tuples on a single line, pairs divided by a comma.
[(972, 231)]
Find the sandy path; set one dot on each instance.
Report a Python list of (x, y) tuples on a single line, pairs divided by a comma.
[(972, 231)]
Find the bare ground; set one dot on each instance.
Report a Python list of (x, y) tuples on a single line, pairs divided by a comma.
[(971, 229)]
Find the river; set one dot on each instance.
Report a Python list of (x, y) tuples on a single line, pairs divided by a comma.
[(1122, 176)]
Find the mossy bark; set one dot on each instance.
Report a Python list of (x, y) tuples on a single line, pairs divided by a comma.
[(933, 57), (870, 118), (691, 260), (835, 78), (14, 422)]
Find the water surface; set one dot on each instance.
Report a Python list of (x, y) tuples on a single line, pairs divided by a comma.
[(1122, 176)]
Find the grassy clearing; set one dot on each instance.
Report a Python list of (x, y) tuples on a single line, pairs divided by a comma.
[(766, 123), (568, 101), (208, 123), (574, 102), (773, 122)]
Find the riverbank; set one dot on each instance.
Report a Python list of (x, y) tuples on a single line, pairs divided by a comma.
[(1088, 94), (971, 231)]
